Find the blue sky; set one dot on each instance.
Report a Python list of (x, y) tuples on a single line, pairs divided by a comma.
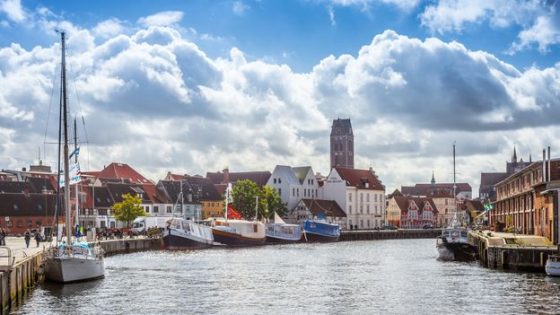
[(299, 33), (195, 86)]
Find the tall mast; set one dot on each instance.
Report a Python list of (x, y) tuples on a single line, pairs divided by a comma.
[(58, 203), (76, 161), (65, 154)]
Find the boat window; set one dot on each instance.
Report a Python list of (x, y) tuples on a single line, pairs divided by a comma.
[(463, 234), (255, 228)]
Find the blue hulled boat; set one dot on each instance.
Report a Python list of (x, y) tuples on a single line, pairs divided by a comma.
[(319, 230)]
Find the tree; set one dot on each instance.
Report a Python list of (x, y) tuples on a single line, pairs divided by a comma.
[(272, 202), (128, 209), (244, 197)]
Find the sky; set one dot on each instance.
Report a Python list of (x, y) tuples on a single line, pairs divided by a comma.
[(197, 86)]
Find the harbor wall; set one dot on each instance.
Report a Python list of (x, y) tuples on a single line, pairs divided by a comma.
[(18, 279), (365, 235), (511, 257)]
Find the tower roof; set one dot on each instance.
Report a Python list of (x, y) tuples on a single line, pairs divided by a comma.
[(341, 126)]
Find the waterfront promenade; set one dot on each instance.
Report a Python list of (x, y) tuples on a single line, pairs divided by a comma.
[(19, 250)]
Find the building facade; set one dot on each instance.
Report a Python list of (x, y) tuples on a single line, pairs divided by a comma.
[(488, 180), (294, 184), (342, 144), (527, 201), (360, 194)]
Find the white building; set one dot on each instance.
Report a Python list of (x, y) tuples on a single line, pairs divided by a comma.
[(360, 194), (294, 184)]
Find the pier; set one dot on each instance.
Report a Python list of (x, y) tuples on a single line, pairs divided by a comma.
[(365, 235), (515, 252), (21, 268)]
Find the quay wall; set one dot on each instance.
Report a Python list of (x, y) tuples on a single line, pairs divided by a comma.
[(361, 235), (19, 277), (511, 257)]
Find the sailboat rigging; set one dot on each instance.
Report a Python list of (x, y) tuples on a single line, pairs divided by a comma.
[(68, 261)]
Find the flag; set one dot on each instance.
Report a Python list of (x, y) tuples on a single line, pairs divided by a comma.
[(74, 175), (488, 207), (232, 213)]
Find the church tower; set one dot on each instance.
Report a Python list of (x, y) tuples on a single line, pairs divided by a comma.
[(342, 144)]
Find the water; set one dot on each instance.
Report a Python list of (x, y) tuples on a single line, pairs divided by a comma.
[(368, 277)]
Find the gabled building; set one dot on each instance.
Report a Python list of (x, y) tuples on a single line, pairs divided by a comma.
[(317, 208), (221, 179), (22, 211), (360, 194), (411, 212), (294, 184)]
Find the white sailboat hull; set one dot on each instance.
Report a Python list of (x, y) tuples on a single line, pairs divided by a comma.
[(73, 269)]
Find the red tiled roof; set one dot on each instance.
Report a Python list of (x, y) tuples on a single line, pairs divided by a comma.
[(260, 178), (403, 203), (429, 189), (359, 178), (123, 171), (328, 207)]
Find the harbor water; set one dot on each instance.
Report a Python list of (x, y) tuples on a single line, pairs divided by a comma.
[(366, 277)]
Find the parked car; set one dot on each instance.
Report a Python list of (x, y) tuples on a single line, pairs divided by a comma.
[(389, 227), (428, 226)]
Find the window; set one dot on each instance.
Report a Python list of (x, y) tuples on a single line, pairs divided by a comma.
[(367, 209), (367, 197), (280, 191), (361, 197), (293, 192), (169, 209), (279, 181), (361, 208), (274, 180), (156, 209), (349, 196), (349, 209), (375, 198)]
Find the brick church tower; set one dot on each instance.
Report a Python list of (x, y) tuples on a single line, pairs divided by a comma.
[(342, 144)]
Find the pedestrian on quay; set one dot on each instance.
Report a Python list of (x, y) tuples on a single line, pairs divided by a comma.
[(27, 238), (37, 238), (2, 237)]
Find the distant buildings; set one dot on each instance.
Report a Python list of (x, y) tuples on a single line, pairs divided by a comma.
[(442, 196), (294, 184), (411, 212), (360, 194), (342, 144), (527, 201), (488, 180)]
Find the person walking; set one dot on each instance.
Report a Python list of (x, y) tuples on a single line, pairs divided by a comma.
[(27, 238), (2, 237), (37, 238)]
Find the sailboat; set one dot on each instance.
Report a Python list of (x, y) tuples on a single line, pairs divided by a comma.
[(68, 261), (453, 243), (184, 233), (238, 232), (282, 232)]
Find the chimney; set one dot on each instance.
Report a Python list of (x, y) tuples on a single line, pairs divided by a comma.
[(543, 166), (548, 175)]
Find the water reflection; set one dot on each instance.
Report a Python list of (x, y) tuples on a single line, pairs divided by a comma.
[(389, 276)]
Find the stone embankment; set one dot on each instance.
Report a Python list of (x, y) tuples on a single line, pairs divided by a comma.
[(508, 251), (21, 268), (363, 235)]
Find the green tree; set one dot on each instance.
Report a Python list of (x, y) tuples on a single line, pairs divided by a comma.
[(244, 197), (128, 209), (272, 202)]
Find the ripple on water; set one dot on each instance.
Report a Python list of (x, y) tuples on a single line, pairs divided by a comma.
[(388, 276)]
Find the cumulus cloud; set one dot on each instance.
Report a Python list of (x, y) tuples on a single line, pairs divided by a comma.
[(13, 10), (539, 20), (164, 18), (156, 100)]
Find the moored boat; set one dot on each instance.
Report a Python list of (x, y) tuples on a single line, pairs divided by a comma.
[(552, 267), (187, 234), (453, 245), (282, 232), (319, 230), (70, 261), (238, 232)]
